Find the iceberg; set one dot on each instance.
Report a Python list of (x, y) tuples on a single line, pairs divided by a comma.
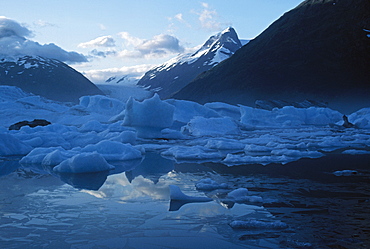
[(114, 151), (9, 145), (102, 105), (177, 195), (209, 185), (241, 195), (83, 163), (361, 118), (256, 224), (200, 126), (149, 117), (289, 116), (345, 172)]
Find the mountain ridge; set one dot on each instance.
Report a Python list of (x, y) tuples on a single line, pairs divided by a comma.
[(319, 50), (173, 75), (47, 77)]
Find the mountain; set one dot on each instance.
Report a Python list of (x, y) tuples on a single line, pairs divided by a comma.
[(176, 73), (49, 78), (318, 51)]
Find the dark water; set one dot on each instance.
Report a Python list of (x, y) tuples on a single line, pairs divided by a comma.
[(129, 208)]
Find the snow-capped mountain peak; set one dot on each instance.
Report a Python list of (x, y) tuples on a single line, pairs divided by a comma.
[(47, 77), (176, 73)]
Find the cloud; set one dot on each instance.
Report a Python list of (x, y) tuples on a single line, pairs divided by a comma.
[(161, 44), (209, 18), (43, 24), (102, 26), (14, 42), (10, 28), (179, 17), (103, 41), (130, 40), (158, 46), (100, 76), (104, 54)]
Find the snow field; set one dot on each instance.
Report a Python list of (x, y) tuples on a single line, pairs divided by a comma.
[(177, 129)]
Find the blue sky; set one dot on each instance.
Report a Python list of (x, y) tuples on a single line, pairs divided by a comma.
[(119, 36)]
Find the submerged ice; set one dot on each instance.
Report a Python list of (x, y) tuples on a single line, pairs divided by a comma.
[(100, 127)]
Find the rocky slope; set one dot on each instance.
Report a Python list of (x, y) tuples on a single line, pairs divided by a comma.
[(49, 78), (319, 50)]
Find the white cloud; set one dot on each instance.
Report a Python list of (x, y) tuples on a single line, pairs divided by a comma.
[(14, 42), (102, 26), (43, 24), (209, 18), (99, 76), (179, 17), (159, 46), (103, 41), (130, 40)]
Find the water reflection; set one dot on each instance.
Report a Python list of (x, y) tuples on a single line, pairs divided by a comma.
[(152, 167), (129, 206), (8, 166)]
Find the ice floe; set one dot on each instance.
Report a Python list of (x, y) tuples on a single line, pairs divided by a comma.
[(176, 129), (209, 184), (82, 163), (256, 224)]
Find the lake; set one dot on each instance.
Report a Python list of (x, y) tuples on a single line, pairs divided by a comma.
[(130, 207)]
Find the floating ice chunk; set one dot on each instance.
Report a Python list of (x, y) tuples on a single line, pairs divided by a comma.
[(172, 134), (149, 117), (102, 105), (177, 195), (256, 148), (232, 159), (92, 125), (12, 93), (356, 152), (255, 224), (37, 155), (200, 126), (224, 144), (56, 157), (191, 153), (125, 137), (289, 116), (187, 110), (84, 163), (9, 145), (256, 117), (361, 118), (114, 151), (346, 172), (297, 153), (241, 195), (225, 110), (209, 184)]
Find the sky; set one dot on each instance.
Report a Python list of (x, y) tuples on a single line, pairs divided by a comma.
[(118, 37)]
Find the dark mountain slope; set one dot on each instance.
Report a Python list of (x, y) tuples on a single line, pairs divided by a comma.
[(49, 78), (320, 50)]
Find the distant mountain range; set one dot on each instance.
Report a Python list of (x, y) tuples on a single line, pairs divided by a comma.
[(319, 51), (49, 78), (176, 73)]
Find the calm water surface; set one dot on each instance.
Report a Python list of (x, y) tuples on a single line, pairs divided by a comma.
[(130, 207)]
